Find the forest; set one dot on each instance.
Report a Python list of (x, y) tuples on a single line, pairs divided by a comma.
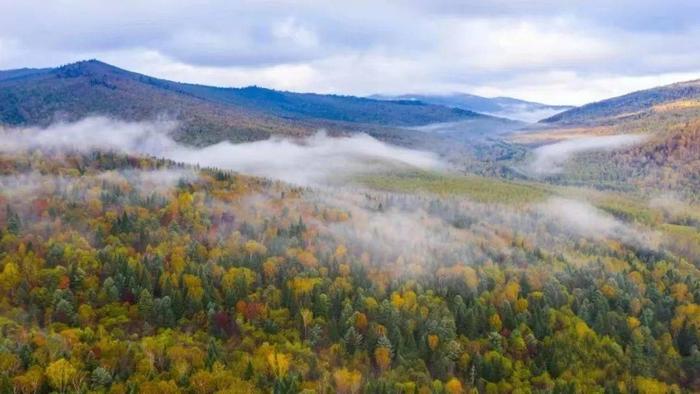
[(130, 274), (353, 197)]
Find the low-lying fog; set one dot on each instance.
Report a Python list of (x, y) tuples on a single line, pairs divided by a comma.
[(550, 159), (315, 160), (525, 113), (411, 224)]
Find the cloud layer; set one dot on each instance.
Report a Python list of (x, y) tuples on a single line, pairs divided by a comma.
[(552, 51), (315, 160)]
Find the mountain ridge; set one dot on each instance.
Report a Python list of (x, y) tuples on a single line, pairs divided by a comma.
[(506, 107), (37, 97), (630, 104)]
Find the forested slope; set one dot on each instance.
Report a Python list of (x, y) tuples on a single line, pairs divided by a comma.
[(205, 114), (125, 274)]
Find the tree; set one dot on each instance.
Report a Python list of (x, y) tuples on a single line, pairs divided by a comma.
[(307, 317), (60, 374), (454, 386), (278, 363), (383, 353), (100, 378), (495, 322), (30, 381), (433, 341), (347, 381)]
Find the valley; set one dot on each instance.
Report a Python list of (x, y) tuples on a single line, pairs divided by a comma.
[(166, 237)]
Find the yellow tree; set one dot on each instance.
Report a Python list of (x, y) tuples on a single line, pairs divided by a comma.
[(60, 374), (495, 322), (307, 316), (254, 248), (382, 356), (433, 341), (194, 286), (454, 386), (279, 363), (347, 381), (30, 381)]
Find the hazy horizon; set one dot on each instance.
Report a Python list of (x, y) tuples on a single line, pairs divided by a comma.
[(551, 52)]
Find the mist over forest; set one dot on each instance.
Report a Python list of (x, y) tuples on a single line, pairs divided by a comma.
[(246, 198)]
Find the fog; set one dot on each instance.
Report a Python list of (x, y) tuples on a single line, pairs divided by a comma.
[(583, 219), (92, 134), (550, 159), (526, 113), (160, 181), (405, 233), (409, 234), (28, 185), (312, 161)]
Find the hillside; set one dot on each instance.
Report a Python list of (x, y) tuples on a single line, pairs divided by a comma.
[(506, 107), (121, 272), (19, 73), (206, 114), (666, 162), (632, 105), (666, 158)]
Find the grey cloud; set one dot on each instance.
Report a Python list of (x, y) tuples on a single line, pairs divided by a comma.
[(365, 47)]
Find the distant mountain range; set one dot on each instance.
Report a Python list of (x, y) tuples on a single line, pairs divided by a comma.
[(629, 106), (505, 107), (452, 125), (206, 114)]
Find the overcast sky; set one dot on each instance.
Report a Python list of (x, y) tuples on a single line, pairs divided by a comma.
[(553, 51)]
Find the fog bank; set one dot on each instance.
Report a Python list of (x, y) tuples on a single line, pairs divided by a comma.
[(316, 160), (550, 159), (583, 219)]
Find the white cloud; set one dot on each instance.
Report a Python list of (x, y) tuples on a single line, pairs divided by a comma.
[(568, 87), (512, 43)]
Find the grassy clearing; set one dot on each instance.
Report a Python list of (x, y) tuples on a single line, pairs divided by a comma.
[(630, 210), (471, 186), (683, 240)]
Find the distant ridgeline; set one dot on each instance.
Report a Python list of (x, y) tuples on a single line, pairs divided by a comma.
[(206, 114)]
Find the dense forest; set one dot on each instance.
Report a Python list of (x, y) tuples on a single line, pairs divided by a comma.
[(123, 274)]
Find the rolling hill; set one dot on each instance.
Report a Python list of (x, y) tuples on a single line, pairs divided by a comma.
[(206, 114), (629, 106), (505, 107), (667, 158)]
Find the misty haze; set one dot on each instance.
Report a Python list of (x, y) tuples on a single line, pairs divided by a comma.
[(359, 197)]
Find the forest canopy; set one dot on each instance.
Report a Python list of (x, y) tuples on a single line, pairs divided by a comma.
[(122, 274)]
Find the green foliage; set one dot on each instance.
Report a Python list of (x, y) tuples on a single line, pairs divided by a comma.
[(224, 283), (477, 188)]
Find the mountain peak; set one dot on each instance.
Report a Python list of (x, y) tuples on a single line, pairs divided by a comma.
[(93, 87), (88, 67)]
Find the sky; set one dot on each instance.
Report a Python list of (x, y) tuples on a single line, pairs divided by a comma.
[(551, 51)]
